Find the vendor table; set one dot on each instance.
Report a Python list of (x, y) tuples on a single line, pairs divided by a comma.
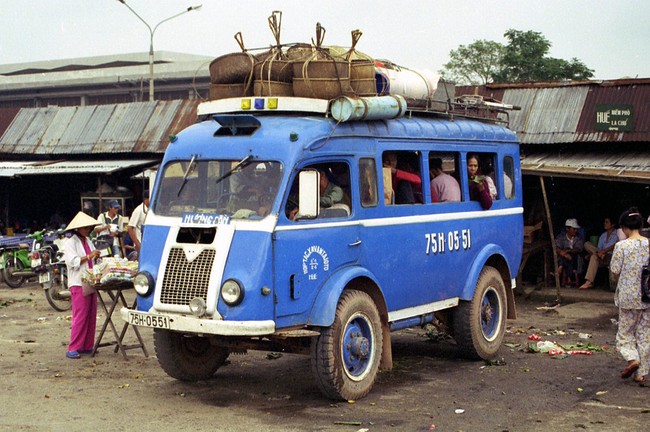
[(110, 296)]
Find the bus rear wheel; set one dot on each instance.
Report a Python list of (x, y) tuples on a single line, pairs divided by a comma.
[(479, 324), (188, 358), (345, 357)]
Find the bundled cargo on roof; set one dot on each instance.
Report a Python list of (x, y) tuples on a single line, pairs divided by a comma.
[(322, 72)]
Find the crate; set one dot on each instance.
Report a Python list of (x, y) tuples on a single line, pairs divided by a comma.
[(532, 233)]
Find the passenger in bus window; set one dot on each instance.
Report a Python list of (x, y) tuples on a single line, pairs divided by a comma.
[(330, 193), (407, 183), (487, 169), (445, 186), (479, 189)]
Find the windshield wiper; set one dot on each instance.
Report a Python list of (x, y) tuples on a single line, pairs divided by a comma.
[(242, 163), (189, 169)]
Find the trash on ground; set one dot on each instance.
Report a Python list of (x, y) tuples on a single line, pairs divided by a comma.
[(577, 352), (534, 337)]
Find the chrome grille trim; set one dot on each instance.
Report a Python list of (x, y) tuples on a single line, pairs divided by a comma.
[(185, 280)]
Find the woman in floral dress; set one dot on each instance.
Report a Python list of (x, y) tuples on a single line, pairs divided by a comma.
[(633, 336)]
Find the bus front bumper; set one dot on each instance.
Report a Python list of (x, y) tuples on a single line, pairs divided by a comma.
[(191, 324)]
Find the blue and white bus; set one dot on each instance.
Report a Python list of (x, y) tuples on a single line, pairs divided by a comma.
[(276, 224)]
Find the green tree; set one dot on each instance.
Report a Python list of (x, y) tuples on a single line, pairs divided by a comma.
[(475, 63), (524, 60)]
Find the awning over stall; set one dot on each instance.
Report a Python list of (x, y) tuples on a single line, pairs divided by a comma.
[(628, 166), (12, 169)]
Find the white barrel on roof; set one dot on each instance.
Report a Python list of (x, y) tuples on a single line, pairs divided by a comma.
[(368, 108)]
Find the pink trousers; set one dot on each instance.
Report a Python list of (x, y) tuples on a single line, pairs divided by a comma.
[(84, 320)]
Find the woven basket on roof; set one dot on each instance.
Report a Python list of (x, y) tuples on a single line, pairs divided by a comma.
[(272, 88), (273, 69), (362, 77), (232, 68), (223, 91)]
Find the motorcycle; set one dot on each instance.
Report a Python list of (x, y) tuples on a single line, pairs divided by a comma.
[(15, 261), (48, 263)]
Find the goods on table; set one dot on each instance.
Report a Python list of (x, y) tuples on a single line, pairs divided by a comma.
[(110, 270)]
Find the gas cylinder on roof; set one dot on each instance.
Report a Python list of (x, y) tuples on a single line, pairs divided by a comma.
[(398, 80)]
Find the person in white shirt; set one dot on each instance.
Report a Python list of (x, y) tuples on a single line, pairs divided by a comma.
[(136, 221), (111, 226)]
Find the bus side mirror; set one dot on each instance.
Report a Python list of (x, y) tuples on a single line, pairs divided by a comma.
[(308, 195)]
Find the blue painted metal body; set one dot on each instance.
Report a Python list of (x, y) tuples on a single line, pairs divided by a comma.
[(409, 256)]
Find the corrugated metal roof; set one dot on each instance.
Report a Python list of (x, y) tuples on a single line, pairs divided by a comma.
[(635, 94), (71, 137), (140, 127), (152, 140), (627, 166), (124, 127), (565, 112), (57, 127), (11, 169), (30, 139), (551, 117), (16, 129)]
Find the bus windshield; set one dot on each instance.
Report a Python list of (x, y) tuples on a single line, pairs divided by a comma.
[(241, 189)]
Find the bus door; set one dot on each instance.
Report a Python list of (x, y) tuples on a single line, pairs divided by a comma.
[(309, 251)]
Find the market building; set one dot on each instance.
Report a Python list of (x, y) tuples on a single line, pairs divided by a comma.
[(81, 128)]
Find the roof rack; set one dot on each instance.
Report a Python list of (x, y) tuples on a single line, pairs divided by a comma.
[(473, 107)]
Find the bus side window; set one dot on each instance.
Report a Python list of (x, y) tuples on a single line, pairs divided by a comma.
[(508, 176), (334, 194), (443, 171), (405, 177), (368, 182)]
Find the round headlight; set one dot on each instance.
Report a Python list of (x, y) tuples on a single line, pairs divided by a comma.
[(231, 292), (143, 283)]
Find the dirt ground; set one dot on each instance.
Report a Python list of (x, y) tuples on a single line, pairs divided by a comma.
[(428, 389)]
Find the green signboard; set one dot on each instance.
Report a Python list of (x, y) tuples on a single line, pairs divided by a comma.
[(614, 118)]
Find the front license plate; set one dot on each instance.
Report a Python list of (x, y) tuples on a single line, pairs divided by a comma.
[(44, 277), (146, 320)]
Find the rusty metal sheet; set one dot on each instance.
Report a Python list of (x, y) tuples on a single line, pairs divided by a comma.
[(16, 129), (548, 115), (621, 92), (124, 128), (30, 140), (153, 138), (53, 133), (93, 129), (630, 166), (71, 138)]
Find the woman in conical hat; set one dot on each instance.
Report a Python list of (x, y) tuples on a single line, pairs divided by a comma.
[(80, 255)]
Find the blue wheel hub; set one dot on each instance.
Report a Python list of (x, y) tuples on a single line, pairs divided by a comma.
[(357, 347), (490, 314)]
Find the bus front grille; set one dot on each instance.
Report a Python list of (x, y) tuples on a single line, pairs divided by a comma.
[(184, 280)]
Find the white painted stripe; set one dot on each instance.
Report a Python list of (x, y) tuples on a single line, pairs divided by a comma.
[(269, 224), (422, 310)]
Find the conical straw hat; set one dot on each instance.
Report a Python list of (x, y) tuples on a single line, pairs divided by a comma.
[(82, 220)]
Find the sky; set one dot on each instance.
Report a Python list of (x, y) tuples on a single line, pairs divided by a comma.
[(610, 37)]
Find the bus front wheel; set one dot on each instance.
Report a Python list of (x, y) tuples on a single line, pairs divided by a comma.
[(187, 358), (345, 357), (479, 324)]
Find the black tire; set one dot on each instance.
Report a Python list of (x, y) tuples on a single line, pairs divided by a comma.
[(58, 285), (12, 264), (187, 358), (479, 324), (345, 357)]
